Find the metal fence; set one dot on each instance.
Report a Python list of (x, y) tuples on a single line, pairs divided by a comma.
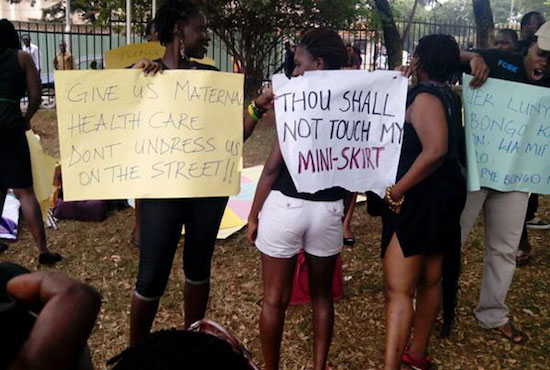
[(87, 44)]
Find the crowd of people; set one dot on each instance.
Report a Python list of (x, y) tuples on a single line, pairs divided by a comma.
[(53, 315)]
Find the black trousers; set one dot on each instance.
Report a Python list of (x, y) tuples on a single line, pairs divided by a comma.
[(161, 224)]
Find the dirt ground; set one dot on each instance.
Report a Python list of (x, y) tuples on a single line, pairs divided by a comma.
[(101, 254)]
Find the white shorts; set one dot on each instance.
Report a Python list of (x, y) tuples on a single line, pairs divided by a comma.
[(286, 225)]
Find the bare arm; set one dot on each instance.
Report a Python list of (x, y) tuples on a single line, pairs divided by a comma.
[(479, 68), (430, 123), (265, 101), (270, 173), (63, 326), (348, 198), (33, 85)]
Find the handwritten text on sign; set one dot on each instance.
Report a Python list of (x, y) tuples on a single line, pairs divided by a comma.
[(341, 128), (507, 136), (124, 135)]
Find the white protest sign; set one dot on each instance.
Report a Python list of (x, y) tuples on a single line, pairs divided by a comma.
[(341, 128)]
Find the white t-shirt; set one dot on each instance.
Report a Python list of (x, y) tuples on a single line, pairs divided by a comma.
[(35, 54)]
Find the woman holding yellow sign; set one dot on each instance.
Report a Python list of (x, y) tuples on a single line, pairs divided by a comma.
[(182, 30)]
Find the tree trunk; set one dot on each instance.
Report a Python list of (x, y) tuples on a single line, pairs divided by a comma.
[(392, 39), (484, 23), (409, 23)]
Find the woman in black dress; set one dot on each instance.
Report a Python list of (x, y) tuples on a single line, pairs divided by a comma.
[(421, 220), (18, 75)]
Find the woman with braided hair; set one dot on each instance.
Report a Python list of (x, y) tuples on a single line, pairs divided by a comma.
[(421, 212), (291, 220), (182, 29)]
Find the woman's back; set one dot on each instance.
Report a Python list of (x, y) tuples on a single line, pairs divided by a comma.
[(453, 111), (12, 89)]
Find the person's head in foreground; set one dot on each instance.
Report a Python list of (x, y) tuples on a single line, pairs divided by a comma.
[(530, 23), (320, 48), (179, 24), (506, 39), (436, 58), (178, 349), (8, 36), (537, 61)]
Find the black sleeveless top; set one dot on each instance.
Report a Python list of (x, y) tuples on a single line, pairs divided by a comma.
[(12, 89), (411, 148), (429, 222), (285, 185)]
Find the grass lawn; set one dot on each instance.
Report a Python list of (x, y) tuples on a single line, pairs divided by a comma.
[(101, 254)]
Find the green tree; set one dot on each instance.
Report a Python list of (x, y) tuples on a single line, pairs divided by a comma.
[(100, 12), (393, 40), (253, 30)]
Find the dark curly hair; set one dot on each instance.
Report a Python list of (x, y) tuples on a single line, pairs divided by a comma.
[(325, 43), (169, 14), (438, 56), (178, 349)]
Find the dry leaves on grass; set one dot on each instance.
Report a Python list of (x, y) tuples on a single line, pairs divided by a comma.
[(101, 254)]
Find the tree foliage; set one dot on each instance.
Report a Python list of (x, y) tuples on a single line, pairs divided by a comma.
[(252, 30), (100, 12)]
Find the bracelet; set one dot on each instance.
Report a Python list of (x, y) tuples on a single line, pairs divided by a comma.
[(259, 111), (252, 112), (390, 200)]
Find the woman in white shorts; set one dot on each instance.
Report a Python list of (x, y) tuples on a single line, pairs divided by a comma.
[(290, 221)]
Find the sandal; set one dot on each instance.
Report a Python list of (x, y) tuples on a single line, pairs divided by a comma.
[(522, 258), (49, 258), (517, 336), (415, 363), (349, 242)]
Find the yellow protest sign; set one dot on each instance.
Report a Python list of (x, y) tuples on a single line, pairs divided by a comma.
[(123, 135), (43, 168), (127, 55)]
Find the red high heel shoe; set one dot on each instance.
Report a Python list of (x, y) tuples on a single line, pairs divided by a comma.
[(415, 363)]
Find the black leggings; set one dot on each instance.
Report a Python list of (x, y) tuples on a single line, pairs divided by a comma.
[(161, 224)]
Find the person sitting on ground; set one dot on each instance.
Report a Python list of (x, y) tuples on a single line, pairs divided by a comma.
[(504, 212), (18, 75), (46, 319), (506, 39)]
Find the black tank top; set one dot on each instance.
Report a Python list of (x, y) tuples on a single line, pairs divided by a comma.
[(285, 185), (12, 89), (411, 147)]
